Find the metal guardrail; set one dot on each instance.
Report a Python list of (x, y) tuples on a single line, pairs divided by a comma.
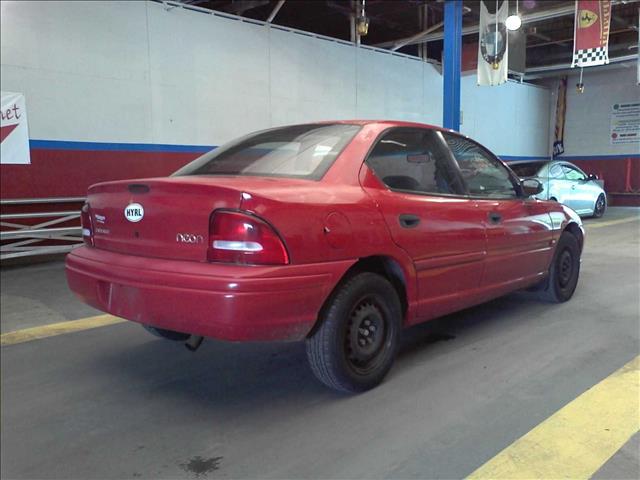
[(26, 240)]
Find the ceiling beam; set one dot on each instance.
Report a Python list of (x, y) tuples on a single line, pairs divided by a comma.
[(565, 68), (275, 11), (526, 18), (241, 6), (544, 44), (398, 45), (622, 21), (546, 38)]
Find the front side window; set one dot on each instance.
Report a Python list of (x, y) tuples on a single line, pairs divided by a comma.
[(556, 171), (484, 175), (299, 151), (414, 160), (572, 173)]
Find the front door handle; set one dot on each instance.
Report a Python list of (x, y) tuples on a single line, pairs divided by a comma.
[(408, 220), (495, 218)]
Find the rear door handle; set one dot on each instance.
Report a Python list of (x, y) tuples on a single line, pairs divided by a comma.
[(495, 217), (408, 220)]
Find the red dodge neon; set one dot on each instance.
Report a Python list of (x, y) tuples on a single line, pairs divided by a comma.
[(339, 234)]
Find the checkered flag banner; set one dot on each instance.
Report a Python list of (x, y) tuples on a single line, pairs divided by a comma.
[(591, 33), (591, 56)]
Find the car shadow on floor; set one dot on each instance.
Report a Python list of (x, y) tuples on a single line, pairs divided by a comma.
[(242, 375)]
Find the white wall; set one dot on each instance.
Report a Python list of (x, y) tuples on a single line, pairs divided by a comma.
[(83, 67), (587, 125), (511, 119), (135, 72)]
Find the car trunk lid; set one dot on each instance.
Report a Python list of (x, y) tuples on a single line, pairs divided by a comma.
[(162, 218)]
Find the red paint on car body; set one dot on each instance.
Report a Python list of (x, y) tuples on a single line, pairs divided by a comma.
[(156, 271)]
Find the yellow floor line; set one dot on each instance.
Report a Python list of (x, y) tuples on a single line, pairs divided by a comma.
[(53, 329), (611, 222), (579, 438)]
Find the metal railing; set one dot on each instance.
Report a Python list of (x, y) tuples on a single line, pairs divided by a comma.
[(20, 239)]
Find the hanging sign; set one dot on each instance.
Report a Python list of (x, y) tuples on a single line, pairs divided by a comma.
[(625, 123), (561, 111), (493, 48), (591, 33), (14, 132)]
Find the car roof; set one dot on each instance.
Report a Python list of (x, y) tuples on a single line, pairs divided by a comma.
[(389, 123), (541, 162)]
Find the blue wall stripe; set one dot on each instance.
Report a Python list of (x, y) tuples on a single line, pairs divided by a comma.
[(161, 147), (118, 147), (596, 157), (568, 158)]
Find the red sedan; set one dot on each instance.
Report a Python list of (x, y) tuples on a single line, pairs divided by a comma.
[(339, 234)]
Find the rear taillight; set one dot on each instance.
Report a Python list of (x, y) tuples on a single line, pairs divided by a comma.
[(87, 225), (241, 238)]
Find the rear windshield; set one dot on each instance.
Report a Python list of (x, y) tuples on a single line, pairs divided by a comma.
[(299, 151), (528, 169)]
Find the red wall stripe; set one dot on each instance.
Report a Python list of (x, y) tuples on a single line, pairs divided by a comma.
[(64, 173)]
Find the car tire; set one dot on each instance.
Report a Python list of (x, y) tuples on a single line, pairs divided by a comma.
[(167, 334), (600, 206), (564, 271), (358, 335)]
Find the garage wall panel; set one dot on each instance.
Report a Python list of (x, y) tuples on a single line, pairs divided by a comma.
[(83, 80), (311, 79), (208, 77), (587, 134), (138, 77), (587, 129), (510, 119), (393, 87), (56, 35)]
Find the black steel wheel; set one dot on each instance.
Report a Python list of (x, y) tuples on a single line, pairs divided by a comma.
[(600, 206), (366, 335), (357, 339), (564, 270)]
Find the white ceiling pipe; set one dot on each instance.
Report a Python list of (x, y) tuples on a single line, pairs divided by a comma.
[(275, 11)]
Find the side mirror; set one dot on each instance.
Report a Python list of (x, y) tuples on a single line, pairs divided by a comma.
[(531, 186), (593, 176)]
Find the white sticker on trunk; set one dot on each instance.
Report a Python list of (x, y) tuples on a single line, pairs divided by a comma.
[(134, 212)]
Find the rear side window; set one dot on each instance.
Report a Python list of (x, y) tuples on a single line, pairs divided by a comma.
[(528, 169), (414, 160), (299, 151), (484, 175), (556, 171)]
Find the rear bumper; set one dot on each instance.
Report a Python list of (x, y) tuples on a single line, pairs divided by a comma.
[(241, 303)]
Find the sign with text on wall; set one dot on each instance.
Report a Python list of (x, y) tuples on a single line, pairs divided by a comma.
[(625, 123), (14, 131)]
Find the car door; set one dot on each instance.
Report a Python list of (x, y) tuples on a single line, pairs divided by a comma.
[(421, 197), (581, 196), (519, 232)]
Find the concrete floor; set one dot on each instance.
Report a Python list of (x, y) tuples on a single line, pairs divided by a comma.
[(115, 402)]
